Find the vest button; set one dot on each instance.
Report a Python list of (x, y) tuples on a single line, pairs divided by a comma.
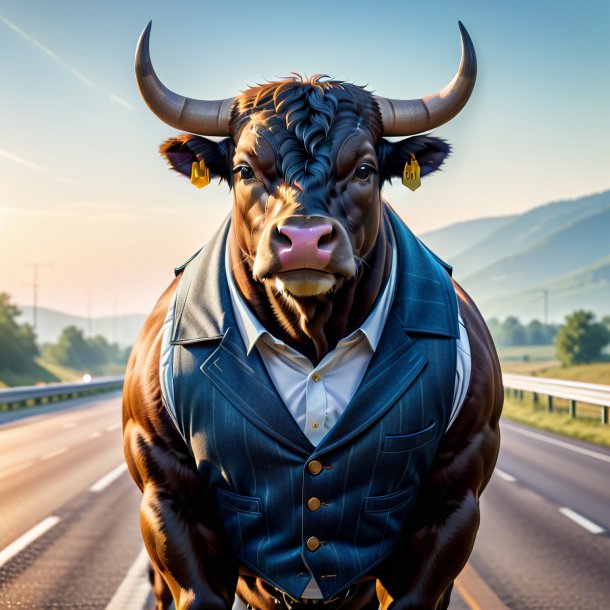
[(314, 467), (313, 544), (313, 504)]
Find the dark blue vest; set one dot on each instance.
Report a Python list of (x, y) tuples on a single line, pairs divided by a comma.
[(259, 465)]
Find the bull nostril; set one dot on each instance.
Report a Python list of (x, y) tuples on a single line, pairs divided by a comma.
[(282, 237), (326, 238)]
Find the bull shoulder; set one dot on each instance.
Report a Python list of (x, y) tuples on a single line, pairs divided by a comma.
[(153, 447)]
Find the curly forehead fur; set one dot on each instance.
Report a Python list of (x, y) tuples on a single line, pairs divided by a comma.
[(308, 117)]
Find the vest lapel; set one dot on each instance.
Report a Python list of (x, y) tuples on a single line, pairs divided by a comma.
[(425, 304), (395, 366), (204, 314), (244, 382)]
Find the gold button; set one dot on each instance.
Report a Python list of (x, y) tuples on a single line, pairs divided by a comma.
[(316, 377), (313, 544), (314, 467), (313, 504), (280, 346), (314, 424)]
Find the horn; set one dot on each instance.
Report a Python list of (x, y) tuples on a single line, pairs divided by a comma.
[(408, 117), (206, 118)]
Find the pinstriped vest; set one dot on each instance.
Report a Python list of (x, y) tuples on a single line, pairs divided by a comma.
[(258, 464)]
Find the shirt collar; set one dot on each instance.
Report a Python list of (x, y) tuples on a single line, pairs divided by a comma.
[(252, 330)]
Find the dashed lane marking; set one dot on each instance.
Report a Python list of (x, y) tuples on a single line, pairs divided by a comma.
[(9, 471), (135, 589), (55, 453), (582, 521), (16, 547), (504, 475), (603, 457), (115, 473), (475, 592)]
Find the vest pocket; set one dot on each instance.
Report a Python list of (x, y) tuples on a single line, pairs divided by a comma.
[(241, 504), (389, 502), (407, 442)]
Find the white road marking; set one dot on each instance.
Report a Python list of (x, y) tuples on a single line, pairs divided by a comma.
[(113, 427), (504, 475), (553, 441), (9, 471), (133, 592), (95, 434), (38, 530), (582, 521), (55, 453), (115, 473)]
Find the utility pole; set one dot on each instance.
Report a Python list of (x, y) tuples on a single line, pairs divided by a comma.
[(34, 285), (545, 292), (89, 312)]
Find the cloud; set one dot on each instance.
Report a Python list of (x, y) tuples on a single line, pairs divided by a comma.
[(61, 62), (92, 212), (118, 100), (21, 161)]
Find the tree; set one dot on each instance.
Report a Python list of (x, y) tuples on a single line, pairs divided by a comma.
[(513, 332), (17, 341), (72, 349), (76, 351), (581, 339)]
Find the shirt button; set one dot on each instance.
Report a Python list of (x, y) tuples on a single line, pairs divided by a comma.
[(316, 377), (314, 467), (280, 346), (313, 504), (313, 544), (314, 424)]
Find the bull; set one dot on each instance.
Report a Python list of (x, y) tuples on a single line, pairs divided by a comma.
[(292, 412)]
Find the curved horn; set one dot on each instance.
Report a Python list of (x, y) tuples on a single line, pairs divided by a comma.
[(408, 117), (206, 118)]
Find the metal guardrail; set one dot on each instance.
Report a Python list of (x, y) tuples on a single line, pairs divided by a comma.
[(17, 398), (573, 391)]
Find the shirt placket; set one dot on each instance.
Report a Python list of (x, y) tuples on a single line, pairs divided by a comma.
[(315, 407)]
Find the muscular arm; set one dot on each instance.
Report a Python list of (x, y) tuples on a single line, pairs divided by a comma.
[(184, 541), (420, 573)]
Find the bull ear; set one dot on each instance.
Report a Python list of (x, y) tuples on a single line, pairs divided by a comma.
[(183, 150), (429, 152)]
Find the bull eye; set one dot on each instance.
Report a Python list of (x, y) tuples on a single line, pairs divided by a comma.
[(363, 172), (245, 171)]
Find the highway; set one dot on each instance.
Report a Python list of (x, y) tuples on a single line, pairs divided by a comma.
[(69, 532)]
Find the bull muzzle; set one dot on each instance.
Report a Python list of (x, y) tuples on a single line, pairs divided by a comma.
[(305, 255)]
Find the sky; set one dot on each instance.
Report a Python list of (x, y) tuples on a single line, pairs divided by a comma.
[(86, 196)]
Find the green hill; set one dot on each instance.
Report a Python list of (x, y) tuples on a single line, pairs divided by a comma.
[(562, 248)]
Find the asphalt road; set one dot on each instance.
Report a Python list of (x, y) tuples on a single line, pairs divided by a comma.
[(69, 533)]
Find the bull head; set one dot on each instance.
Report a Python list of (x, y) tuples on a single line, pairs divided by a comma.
[(307, 160)]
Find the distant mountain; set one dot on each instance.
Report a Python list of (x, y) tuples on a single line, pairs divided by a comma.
[(120, 329), (454, 239), (562, 248), (528, 229)]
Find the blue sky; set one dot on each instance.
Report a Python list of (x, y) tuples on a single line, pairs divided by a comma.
[(83, 189)]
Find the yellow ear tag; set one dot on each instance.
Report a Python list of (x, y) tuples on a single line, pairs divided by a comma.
[(200, 174), (410, 174)]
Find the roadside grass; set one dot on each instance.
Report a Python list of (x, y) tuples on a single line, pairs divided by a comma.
[(586, 427), (39, 372)]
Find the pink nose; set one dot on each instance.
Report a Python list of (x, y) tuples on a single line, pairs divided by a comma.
[(305, 251)]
